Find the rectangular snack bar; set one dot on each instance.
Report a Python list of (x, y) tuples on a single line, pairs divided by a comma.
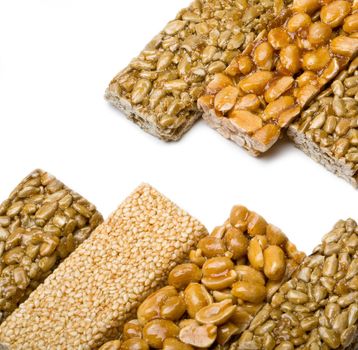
[(328, 130), (160, 88), (318, 308), (41, 223), (211, 299), (86, 301), (265, 88)]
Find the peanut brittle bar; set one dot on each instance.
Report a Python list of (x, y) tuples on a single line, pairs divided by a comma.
[(159, 89), (265, 88)]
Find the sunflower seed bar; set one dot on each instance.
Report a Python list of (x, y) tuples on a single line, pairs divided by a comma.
[(160, 88), (318, 308), (212, 298), (86, 301), (266, 86), (328, 130), (41, 223)]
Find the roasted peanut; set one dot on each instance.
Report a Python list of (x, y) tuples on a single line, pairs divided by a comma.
[(183, 274), (335, 12), (238, 217), (249, 291), (248, 102), (256, 82), (198, 336), (249, 274), (274, 235), (236, 242), (196, 297), (298, 22), (316, 60), (345, 46), (173, 308), (290, 58), (256, 224), (263, 56), (274, 263), (319, 33), (226, 332), (308, 6), (277, 88), (156, 331), (255, 251), (218, 83), (150, 308), (211, 246), (351, 23), (216, 313), (111, 345), (278, 38), (226, 99), (132, 329), (246, 121), (245, 64)]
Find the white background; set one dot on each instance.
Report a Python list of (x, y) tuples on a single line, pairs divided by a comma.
[(56, 59)]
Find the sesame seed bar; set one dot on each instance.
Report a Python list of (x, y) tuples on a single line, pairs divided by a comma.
[(318, 308), (159, 89), (86, 301), (212, 298), (41, 223), (265, 88), (328, 130)]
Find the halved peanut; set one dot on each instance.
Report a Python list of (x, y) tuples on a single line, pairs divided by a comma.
[(319, 33), (226, 332), (335, 12), (275, 263), (219, 82), (345, 46), (249, 274), (238, 217), (351, 23), (206, 102), (196, 297), (246, 121), (288, 115), (256, 224), (308, 6), (306, 93), (198, 336), (211, 246), (266, 137), (150, 308), (156, 331), (277, 88), (216, 313), (184, 274), (298, 22), (132, 329), (274, 235), (255, 251), (278, 38), (316, 60), (217, 266), (248, 102), (219, 282), (249, 291), (225, 99), (241, 318), (173, 308), (263, 56), (236, 243), (290, 58), (256, 82), (275, 108), (245, 64), (305, 78)]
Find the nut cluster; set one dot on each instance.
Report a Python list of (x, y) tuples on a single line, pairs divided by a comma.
[(215, 295), (41, 223), (88, 298), (318, 307), (331, 123), (265, 87), (168, 77)]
